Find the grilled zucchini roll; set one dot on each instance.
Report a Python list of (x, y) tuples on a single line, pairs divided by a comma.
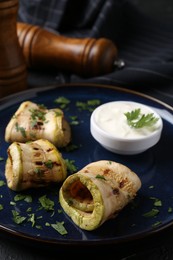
[(34, 164), (32, 121), (97, 193)]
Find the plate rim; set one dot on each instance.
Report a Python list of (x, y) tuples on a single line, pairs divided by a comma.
[(78, 84)]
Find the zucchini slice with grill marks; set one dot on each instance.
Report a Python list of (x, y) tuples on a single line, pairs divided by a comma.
[(32, 121), (98, 192), (34, 164)]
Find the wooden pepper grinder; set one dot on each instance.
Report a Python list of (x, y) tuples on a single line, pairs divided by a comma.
[(44, 49), (13, 69)]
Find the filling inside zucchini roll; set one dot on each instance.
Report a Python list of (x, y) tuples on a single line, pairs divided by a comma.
[(34, 164), (98, 192)]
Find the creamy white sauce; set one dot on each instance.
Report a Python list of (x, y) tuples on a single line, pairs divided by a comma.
[(110, 118)]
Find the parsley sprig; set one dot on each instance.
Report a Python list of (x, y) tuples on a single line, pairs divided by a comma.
[(138, 120)]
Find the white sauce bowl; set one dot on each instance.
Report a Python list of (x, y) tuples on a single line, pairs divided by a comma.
[(109, 126)]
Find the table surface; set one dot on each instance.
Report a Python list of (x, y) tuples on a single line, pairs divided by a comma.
[(157, 246)]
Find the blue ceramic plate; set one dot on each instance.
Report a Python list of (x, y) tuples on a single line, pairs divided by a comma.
[(154, 167)]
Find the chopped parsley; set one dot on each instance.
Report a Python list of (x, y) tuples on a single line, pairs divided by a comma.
[(157, 202), (138, 120), (151, 213), (98, 176), (71, 147), (46, 203), (170, 210), (63, 102), (24, 197), (49, 164), (157, 224), (37, 114), (74, 120), (32, 219), (88, 105), (59, 226), (70, 165), (21, 130), (2, 183), (17, 218)]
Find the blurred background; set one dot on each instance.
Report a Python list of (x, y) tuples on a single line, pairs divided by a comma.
[(159, 9)]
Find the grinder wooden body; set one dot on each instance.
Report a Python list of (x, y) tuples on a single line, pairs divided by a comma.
[(44, 49), (13, 70)]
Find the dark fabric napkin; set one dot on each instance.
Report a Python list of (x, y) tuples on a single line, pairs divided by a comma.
[(144, 43)]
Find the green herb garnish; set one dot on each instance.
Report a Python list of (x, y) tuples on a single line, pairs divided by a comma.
[(63, 102), (59, 226), (157, 224), (88, 105), (20, 129), (138, 120), (70, 165), (2, 183), (46, 203), (17, 218), (49, 164), (170, 209), (151, 213), (98, 176), (24, 197)]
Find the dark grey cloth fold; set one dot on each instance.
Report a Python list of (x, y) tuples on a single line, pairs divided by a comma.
[(145, 44)]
